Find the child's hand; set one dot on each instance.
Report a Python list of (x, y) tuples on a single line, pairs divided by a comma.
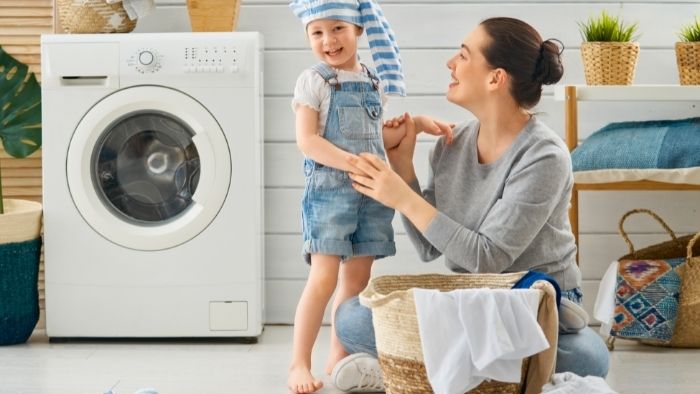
[(434, 127), (395, 121)]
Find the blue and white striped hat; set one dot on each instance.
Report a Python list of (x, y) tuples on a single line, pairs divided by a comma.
[(368, 15)]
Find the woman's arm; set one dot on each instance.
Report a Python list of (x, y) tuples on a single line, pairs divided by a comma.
[(316, 147)]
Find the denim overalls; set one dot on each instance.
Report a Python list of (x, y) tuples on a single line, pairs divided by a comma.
[(336, 219)]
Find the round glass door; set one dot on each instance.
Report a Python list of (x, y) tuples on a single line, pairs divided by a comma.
[(146, 167)]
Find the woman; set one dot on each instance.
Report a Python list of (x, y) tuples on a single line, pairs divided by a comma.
[(497, 198)]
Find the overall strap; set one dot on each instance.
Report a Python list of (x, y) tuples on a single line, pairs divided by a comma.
[(327, 73), (372, 76)]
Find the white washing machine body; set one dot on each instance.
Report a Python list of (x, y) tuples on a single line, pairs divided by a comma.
[(153, 184)]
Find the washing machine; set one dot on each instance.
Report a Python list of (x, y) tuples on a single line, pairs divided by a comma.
[(153, 184)]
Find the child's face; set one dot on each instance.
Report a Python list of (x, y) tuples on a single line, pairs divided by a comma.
[(335, 42)]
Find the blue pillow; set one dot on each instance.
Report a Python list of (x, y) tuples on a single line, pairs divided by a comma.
[(665, 144)]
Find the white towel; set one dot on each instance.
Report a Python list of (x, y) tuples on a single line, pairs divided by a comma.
[(570, 383), (471, 335), (136, 8), (604, 309)]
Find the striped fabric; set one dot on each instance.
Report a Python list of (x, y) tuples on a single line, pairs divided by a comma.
[(368, 15)]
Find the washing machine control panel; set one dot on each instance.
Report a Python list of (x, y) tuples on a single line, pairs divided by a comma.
[(145, 60), (211, 59)]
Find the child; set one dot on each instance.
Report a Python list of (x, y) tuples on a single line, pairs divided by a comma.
[(339, 109)]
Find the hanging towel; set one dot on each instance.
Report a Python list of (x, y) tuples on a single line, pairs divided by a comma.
[(470, 335)]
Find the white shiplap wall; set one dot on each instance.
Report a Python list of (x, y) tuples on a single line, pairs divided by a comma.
[(428, 33)]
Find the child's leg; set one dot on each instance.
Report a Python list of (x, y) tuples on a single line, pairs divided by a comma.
[(354, 275), (307, 321)]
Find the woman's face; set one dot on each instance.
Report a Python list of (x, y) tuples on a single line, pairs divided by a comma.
[(470, 71), (334, 42)]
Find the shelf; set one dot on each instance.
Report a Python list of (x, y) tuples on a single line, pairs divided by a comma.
[(631, 93)]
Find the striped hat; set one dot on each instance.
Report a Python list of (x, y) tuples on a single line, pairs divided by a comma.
[(368, 15)]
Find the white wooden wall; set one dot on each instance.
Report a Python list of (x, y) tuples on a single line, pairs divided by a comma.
[(428, 34)]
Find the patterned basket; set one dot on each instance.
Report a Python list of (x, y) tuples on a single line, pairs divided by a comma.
[(686, 332), (93, 16), (398, 338), (609, 63), (688, 59)]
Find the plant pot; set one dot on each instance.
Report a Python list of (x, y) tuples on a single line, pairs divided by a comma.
[(213, 15), (20, 250), (93, 16), (609, 63), (688, 59)]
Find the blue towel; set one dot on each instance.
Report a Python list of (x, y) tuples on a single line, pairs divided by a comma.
[(533, 276), (664, 144)]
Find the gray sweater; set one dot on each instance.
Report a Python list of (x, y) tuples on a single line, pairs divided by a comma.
[(508, 215)]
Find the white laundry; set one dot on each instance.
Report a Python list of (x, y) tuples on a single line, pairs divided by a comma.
[(570, 383), (136, 8), (604, 308), (471, 335)]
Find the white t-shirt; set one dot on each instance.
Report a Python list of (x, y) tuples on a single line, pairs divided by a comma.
[(312, 91)]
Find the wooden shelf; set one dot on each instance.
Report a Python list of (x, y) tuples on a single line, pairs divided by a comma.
[(573, 94), (631, 93)]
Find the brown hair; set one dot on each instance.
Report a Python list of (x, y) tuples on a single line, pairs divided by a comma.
[(518, 48)]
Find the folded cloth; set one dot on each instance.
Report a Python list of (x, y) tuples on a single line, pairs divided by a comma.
[(604, 308), (570, 383), (135, 8), (470, 335), (572, 317)]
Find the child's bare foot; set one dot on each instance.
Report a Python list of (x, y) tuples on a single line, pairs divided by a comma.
[(301, 381), (333, 358)]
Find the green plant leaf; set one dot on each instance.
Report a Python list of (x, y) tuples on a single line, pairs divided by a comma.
[(20, 107), (690, 32), (606, 27)]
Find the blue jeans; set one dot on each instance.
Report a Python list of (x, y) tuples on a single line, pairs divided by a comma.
[(583, 353)]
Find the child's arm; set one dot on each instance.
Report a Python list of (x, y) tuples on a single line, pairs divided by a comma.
[(395, 129), (313, 145)]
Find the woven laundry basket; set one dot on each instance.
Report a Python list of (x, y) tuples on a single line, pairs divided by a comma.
[(93, 16), (688, 60), (398, 340), (609, 63)]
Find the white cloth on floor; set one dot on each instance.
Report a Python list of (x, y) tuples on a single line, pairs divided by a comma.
[(604, 308), (570, 383), (471, 335), (136, 8)]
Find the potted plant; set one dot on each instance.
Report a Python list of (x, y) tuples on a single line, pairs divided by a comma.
[(688, 54), (609, 50), (20, 221)]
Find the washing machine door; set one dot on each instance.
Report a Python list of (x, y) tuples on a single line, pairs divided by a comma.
[(148, 167)]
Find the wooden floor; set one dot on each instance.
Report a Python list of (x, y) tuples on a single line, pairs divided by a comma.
[(197, 367)]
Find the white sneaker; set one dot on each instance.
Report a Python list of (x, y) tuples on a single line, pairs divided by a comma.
[(358, 373)]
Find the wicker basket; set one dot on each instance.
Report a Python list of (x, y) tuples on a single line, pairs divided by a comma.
[(688, 59), (609, 63), (93, 16), (213, 15), (398, 338), (686, 332)]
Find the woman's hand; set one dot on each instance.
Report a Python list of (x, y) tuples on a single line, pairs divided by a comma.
[(373, 177)]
